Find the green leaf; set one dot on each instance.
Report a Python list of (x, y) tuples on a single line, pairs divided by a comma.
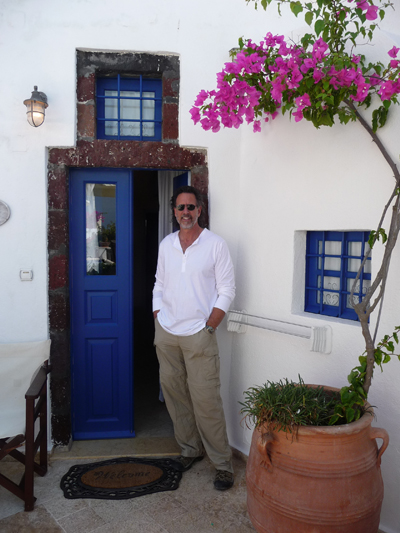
[(361, 392), (378, 356), (309, 17), (296, 7), (319, 26), (351, 376), (382, 232), (386, 359), (396, 337), (350, 414), (333, 419), (371, 238)]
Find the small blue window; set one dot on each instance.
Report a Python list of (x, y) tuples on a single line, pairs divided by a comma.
[(332, 262), (129, 108)]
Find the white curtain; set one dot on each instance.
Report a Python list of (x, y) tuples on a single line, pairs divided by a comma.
[(92, 261), (165, 191)]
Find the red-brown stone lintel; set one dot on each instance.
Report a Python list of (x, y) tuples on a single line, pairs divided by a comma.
[(57, 188), (58, 312), (128, 154), (58, 272), (170, 126), (57, 229), (86, 88), (171, 87), (86, 121)]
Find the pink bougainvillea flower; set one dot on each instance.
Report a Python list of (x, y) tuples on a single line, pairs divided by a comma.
[(372, 13), (374, 79), (387, 90), (249, 114), (394, 63), (277, 89), (318, 75), (363, 4), (362, 92), (256, 126), (307, 64), (298, 115), (205, 123), (303, 101), (294, 79), (393, 52), (319, 49), (284, 50), (237, 121), (195, 112), (201, 97), (356, 59)]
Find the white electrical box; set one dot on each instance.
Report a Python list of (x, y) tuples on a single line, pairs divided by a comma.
[(26, 275)]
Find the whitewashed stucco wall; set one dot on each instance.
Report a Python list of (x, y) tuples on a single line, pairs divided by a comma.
[(294, 178), (263, 187)]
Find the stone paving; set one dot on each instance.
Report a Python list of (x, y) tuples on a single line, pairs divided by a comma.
[(195, 507)]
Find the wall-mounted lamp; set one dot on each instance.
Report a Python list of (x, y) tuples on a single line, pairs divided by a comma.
[(35, 107)]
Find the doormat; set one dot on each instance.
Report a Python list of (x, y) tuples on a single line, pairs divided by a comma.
[(120, 479)]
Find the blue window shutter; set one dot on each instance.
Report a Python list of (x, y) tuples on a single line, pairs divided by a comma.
[(121, 87), (332, 261)]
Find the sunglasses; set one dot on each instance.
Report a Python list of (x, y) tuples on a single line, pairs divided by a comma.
[(181, 207)]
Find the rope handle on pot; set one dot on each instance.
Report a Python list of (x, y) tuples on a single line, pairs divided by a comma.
[(263, 442), (379, 433)]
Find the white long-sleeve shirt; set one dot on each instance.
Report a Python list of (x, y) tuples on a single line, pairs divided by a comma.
[(189, 285)]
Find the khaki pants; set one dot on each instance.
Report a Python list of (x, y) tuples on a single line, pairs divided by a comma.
[(189, 373)]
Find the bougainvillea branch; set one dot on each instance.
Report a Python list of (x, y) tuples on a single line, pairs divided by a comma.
[(323, 80)]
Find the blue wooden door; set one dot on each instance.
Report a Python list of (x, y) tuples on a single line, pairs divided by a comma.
[(101, 272)]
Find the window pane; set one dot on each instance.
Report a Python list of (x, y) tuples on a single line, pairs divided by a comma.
[(356, 299), (320, 251), (354, 248), (329, 298), (111, 111), (130, 109), (333, 248), (130, 129), (148, 110), (100, 229)]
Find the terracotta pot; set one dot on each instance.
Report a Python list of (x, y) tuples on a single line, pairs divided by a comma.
[(325, 480)]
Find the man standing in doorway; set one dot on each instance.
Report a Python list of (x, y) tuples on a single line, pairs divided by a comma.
[(194, 288)]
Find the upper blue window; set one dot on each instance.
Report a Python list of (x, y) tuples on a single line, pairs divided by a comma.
[(332, 262), (129, 108)]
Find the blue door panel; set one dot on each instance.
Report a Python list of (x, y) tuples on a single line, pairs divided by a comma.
[(101, 312)]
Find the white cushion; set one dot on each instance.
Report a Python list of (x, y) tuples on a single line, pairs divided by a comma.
[(18, 364)]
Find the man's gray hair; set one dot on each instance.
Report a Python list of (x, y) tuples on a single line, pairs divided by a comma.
[(189, 190)]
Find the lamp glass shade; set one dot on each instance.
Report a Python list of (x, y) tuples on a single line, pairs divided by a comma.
[(35, 112), (35, 108)]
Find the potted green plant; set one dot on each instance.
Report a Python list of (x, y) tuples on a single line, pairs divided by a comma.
[(305, 471), (321, 79)]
